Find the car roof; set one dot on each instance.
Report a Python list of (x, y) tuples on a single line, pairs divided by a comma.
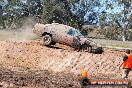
[(57, 26)]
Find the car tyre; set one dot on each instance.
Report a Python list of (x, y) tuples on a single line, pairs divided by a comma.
[(98, 50), (86, 48), (47, 40)]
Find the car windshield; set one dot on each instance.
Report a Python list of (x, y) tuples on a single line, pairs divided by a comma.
[(74, 32)]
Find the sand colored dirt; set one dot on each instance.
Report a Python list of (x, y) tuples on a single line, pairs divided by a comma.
[(60, 58), (32, 54)]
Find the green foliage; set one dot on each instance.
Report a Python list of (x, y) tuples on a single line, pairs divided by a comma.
[(114, 34), (86, 29), (59, 11), (129, 35), (69, 12), (15, 12), (44, 11), (110, 33)]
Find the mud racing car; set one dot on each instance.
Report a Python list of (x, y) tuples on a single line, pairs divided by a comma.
[(63, 34)]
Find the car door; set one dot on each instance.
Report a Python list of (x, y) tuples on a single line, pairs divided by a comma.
[(68, 37)]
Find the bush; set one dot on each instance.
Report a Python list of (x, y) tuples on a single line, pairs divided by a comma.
[(86, 29), (129, 35), (110, 33)]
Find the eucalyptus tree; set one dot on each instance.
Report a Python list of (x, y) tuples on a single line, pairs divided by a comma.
[(126, 21), (60, 11), (15, 11)]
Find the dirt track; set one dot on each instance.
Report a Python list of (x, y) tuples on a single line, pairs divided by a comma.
[(31, 55), (25, 78)]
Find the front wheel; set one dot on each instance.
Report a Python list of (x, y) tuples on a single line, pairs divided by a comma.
[(86, 48), (46, 40), (98, 50)]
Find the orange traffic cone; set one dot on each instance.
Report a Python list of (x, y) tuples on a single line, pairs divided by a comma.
[(84, 73)]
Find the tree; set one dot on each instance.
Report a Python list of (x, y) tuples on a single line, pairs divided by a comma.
[(60, 11), (127, 16), (84, 9), (1, 12), (74, 13), (14, 12)]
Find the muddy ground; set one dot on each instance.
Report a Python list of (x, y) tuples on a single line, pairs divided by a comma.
[(25, 78), (28, 64)]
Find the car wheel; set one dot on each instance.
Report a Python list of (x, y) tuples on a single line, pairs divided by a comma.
[(86, 48), (46, 40), (98, 50)]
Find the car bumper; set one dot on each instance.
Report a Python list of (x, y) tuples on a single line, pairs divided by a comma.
[(98, 50)]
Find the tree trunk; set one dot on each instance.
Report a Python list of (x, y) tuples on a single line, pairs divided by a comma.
[(124, 32), (123, 29), (123, 38)]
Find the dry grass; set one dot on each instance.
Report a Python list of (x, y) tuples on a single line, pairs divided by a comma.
[(114, 43)]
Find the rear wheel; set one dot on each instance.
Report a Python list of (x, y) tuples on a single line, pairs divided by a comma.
[(47, 40), (86, 48)]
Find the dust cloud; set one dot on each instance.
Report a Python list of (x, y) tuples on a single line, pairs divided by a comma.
[(22, 34)]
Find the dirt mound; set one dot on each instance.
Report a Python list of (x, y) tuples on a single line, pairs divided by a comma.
[(32, 54)]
